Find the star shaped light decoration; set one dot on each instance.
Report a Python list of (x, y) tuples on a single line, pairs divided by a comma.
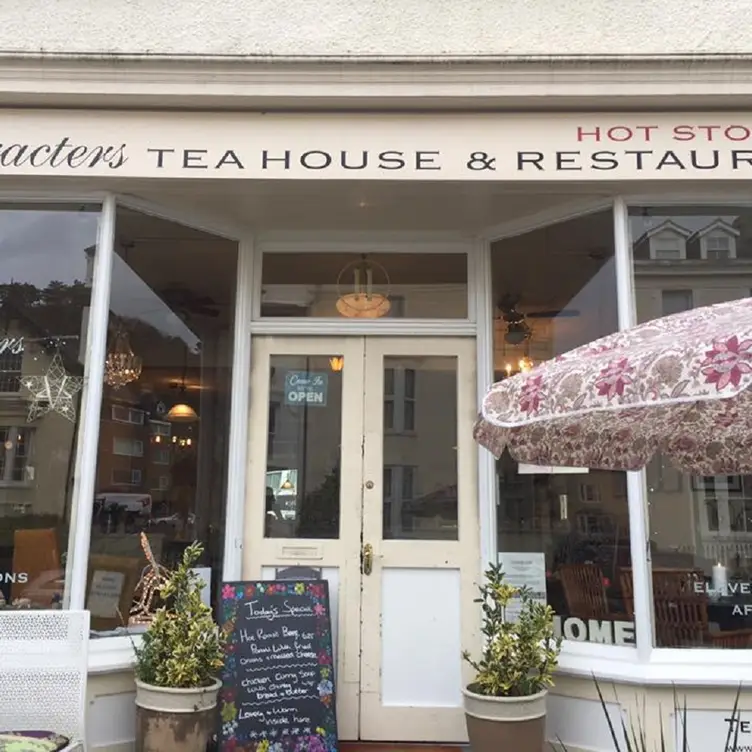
[(53, 391)]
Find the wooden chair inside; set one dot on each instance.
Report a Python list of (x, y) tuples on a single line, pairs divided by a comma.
[(584, 590), (681, 610)]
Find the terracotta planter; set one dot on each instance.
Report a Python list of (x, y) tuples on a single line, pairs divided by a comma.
[(505, 724), (179, 720)]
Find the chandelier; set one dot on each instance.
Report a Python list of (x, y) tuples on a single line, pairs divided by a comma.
[(363, 302), (523, 365), (121, 366)]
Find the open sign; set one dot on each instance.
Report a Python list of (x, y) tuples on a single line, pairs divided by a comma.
[(306, 388)]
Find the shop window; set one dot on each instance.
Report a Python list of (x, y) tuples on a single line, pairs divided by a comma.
[(16, 454), (162, 457), (122, 414), (46, 257), (700, 527), (128, 447), (371, 286), (11, 364), (563, 532)]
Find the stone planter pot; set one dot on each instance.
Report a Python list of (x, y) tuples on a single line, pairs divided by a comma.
[(179, 720), (498, 724)]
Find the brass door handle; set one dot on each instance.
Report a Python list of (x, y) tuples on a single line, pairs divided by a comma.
[(366, 559)]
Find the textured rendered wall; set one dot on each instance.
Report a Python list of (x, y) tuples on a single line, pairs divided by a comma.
[(401, 28)]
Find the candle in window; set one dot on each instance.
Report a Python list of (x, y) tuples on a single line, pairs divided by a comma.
[(720, 579)]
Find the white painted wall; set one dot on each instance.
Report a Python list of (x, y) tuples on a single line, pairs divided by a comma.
[(401, 28)]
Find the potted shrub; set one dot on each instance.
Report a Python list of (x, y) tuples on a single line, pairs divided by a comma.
[(177, 665), (505, 705)]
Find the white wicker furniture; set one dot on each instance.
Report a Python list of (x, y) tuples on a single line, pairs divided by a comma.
[(43, 670)]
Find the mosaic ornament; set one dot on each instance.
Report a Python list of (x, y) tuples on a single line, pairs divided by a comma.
[(54, 391)]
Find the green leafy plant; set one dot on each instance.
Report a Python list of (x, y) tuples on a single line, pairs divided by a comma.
[(520, 655), (183, 646), (633, 737)]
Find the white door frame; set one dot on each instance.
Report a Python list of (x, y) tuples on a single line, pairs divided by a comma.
[(360, 709)]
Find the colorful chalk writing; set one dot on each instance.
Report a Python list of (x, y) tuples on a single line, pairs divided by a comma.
[(278, 691)]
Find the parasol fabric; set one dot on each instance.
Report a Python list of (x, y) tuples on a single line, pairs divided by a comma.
[(679, 386)]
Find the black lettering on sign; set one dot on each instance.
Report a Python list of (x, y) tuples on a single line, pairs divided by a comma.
[(278, 678)]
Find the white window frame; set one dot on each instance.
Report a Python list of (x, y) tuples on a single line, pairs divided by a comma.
[(655, 241), (133, 416), (11, 454), (109, 654), (135, 447), (399, 400), (163, 453), (713, 235), (644, 664), (136, 476)]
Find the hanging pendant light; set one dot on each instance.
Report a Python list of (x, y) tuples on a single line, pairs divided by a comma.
[(363, 302), (121, 366), (181, 411)]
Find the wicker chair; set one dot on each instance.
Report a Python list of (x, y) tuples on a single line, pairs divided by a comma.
[(584, 590)]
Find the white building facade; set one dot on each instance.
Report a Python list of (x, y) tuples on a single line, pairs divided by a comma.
[(383, 207)]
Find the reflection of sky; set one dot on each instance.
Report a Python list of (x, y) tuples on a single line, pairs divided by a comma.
[(596, 302), (38, 247), (132, 298)]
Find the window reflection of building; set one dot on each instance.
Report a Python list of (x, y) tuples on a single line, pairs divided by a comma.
[(699, 527), (161, 469)]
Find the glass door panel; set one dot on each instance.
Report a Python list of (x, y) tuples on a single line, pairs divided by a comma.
[(304, 496), (303, 447), (420, 448)]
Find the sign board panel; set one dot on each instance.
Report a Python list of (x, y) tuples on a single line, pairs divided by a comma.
[(306, 388), (524, 570), (278, 677), (520, 147)]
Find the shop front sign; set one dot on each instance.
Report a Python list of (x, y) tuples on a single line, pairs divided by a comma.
[(711, 730), (304, 388), (377, 146)]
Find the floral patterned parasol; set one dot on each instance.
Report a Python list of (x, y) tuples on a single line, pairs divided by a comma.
[(678, 385)]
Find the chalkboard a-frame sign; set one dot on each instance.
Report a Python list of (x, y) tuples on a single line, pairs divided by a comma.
[(278, 680)]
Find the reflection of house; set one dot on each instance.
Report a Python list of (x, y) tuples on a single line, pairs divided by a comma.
[(711, 262)]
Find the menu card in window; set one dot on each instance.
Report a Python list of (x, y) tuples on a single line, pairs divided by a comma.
[(524, 570), (278, 679)]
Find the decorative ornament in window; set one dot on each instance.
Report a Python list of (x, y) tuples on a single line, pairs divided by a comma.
[(121, 366), (53, 392), (364, 301)]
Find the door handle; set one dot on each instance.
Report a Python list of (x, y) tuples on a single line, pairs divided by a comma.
[(366, 559)]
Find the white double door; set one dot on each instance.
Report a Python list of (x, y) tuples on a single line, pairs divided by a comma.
[(363, 470)]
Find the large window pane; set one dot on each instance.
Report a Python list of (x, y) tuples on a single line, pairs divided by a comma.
[(46, 261), (162, 459), (563, 532), (303, 446), (349, 285), (700, 528)]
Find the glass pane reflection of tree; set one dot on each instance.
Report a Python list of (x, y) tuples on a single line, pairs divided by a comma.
[(46, 262), (565, 530)]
